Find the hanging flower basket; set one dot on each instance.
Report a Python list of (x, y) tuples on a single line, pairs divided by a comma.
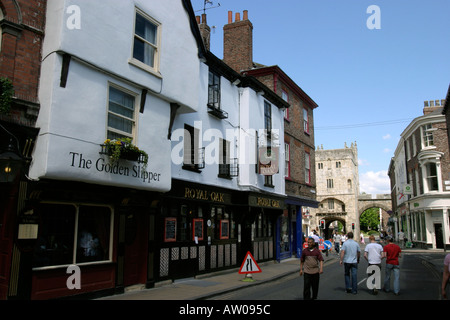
[(123, 149)]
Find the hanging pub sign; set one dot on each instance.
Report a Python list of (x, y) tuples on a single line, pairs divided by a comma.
[(268, 160)]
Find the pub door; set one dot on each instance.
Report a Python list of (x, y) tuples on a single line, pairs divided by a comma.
[(438, 235), (246, 245), (136, 248)]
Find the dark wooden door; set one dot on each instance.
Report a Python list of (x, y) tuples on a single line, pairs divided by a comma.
[(136, 248)]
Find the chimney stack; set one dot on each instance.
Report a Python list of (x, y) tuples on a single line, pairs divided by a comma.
[(238, 42), (205, 30)]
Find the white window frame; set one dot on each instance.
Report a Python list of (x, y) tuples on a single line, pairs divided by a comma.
[(305, 120), (425, 134), (285, 97), (426, 159), (156, 46), (307, 168), (287, 159), (133, 135)]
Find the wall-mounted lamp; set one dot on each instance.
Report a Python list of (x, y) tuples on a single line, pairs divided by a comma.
[(11, 163)]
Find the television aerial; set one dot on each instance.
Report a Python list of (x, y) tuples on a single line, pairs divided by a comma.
[(210, 3)]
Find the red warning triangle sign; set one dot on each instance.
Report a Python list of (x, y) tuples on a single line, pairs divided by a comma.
[(249, 265)]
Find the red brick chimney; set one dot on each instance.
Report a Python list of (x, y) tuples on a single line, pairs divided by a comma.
[(205, 30), (238, 42)]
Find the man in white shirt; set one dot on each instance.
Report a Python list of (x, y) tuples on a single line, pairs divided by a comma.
[(373, 254)]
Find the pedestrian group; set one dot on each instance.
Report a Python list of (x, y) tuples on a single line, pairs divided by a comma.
[(311, 263)]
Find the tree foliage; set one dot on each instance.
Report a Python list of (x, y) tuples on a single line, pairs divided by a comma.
[(6, 94), (370, 219)]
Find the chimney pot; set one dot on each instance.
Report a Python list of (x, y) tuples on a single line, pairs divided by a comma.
[(204, 18), (238, 16), (245, 14), (230, 17)]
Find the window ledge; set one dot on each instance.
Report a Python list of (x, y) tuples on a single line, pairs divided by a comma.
[(225, 176), (193, 168), (143, 66), (216, 112)]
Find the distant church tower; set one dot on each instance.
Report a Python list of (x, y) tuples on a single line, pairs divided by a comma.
[(337, 181)]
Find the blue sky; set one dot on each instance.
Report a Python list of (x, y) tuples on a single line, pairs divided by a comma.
[(369, 83)]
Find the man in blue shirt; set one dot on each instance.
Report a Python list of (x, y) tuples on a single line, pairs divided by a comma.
[(350, 253)]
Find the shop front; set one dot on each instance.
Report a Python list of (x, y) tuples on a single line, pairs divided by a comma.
[(198, 231), (429, 223), (103, 232), (290, 226), (266, 231), (205, 228)]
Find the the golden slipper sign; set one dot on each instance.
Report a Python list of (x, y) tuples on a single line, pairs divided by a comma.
[(102, 165)]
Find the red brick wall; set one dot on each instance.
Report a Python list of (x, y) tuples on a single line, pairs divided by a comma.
[(20, 56), (238, 43)]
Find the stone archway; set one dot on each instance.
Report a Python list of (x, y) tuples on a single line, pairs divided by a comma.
[(367, 201), (328, 231)]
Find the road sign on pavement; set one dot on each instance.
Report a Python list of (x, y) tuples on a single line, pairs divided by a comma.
[(249, 265)]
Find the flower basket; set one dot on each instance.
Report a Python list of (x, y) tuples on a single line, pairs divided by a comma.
[(123, 149)]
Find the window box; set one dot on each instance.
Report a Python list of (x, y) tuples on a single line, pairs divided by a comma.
[(125, 150)]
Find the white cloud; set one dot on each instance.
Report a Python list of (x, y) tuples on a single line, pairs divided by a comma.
[(362, 162), (386, 150), (374, 182), (386, 137)]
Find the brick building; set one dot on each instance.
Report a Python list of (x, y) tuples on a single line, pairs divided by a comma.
[(299, 147), (422, 180), (21, 24)]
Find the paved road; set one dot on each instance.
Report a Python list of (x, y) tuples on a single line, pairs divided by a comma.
[(419, 280)]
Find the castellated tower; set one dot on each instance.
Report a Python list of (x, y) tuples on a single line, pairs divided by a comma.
[(337, 181)]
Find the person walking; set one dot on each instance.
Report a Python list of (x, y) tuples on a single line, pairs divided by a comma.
[(350, 254), (401, 238), (337, 242), (316, 238), (446, 277), (312, 263), (392, 252), (373, 253)]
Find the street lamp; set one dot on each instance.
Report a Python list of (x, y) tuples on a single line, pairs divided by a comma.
[(11, 163)]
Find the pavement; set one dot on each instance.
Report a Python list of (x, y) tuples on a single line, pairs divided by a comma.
[(209, 285)]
